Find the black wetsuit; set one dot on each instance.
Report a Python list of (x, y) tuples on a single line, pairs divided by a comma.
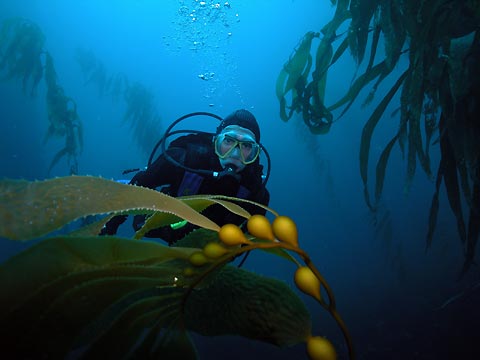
[(197, 152)]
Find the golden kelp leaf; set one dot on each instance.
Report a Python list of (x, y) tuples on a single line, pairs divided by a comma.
[(59, 201), (249, 305), (156, 221), (91, 229), (228, 202), (233, 208)]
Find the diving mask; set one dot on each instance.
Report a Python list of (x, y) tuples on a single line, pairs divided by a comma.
[(237, 144)]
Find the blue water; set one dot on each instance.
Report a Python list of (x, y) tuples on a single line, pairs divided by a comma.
[(399, 301)]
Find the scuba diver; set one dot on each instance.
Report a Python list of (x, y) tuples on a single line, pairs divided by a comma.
[(224, 163)]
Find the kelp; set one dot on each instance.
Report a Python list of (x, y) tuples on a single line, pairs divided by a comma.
[(440, 40), (85, 295), (308, 97), (140, 111), (63, 118), (21, 49), (294, 74), (365, 144), (63, 200), (22, 55)]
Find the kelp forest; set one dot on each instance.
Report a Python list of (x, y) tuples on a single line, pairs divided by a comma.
[(73, 294), (85, 296), (432, 50), (24, 57)]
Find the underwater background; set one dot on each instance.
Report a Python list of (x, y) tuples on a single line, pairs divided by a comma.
[(398, 300)]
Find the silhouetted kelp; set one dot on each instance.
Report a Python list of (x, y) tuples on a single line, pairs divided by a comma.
[(440, 92), (140, 111), (21, 56)]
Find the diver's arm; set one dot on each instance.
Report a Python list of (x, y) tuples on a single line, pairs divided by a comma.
[(161, 172), (111, 227), (157, 174)]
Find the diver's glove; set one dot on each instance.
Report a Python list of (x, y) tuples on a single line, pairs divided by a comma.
[(229, 170), (111, 227)]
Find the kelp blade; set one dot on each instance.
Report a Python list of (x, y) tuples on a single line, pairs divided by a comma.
[(198, 203), (33, 209), (79, 286), (70, 281), (57, 257), (249, 305)]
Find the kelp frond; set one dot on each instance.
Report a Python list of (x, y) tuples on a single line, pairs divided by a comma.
[(88, 295)]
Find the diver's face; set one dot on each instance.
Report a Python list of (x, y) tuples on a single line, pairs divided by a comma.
[(236, 145)]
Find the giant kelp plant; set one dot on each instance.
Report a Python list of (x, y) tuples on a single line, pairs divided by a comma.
[(63, 118), (106, 296), (23, 56), (140, 111), (440, 92), (21, 47)]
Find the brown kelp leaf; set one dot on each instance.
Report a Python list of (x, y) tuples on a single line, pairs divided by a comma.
[(451, 180), (367, 131), (339, 52), (357, 86), (298, 62), (373, 50), (341, 14), (433, 214), (322, 62), (394, 32), (362, 12), (411, 159), (381, 167), (473, 225), (59, 201)]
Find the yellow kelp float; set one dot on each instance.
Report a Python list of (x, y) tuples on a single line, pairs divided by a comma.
[(88, 295)]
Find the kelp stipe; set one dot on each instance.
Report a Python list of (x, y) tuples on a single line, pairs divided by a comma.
[(126, 298)]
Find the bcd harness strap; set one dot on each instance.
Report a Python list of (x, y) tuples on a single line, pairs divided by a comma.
[(191, 183)]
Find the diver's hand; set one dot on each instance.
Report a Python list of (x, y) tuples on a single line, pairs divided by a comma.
[(104, 231), (111, 227)]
